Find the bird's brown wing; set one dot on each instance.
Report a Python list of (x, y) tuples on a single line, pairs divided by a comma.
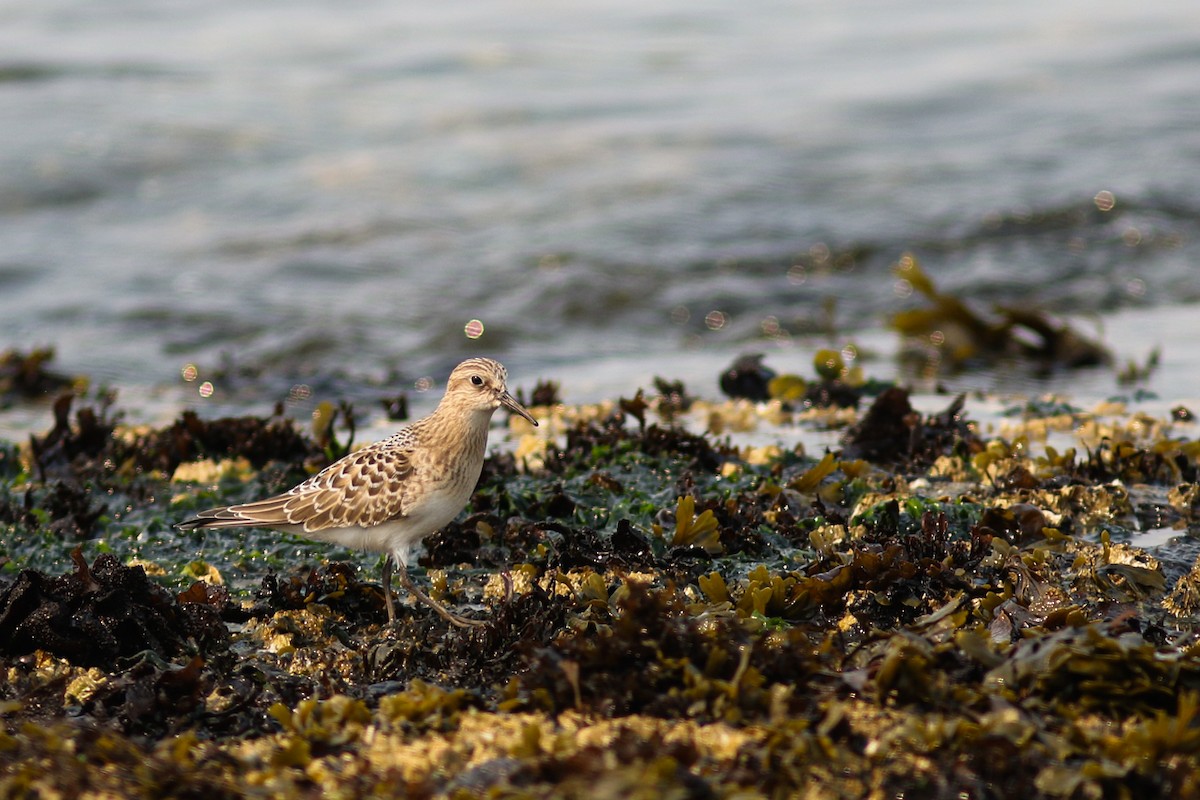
[(364, 489)]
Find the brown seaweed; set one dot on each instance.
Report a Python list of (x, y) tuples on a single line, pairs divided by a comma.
[(26, 376), (836, 626), (891, 432), (949, 334), (87, 448), (748, 378), (100, 613)]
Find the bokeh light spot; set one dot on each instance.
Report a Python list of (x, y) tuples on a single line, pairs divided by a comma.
[(797, 274), (1105, 200), (189, 372), (473, 329), (680, 315), (715, 320), (206, 389), (423, 384)]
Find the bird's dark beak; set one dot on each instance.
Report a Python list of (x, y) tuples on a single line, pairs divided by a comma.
[(512, 405)]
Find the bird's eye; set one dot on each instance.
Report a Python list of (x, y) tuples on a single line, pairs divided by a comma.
[(476, 380)]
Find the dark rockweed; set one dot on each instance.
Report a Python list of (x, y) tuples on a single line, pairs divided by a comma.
[(661, 616), (101, 613)]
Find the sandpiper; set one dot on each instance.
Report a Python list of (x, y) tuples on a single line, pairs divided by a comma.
[(390, 495)]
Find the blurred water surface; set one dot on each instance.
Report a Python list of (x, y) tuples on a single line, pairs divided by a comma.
[(302, 192)]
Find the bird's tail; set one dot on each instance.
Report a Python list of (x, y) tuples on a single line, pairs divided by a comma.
[(213, 518)]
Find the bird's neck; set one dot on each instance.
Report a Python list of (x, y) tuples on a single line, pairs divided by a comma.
[(458, 428)]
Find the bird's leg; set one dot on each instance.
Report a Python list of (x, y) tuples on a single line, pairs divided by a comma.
[(387, 589), (443, 612)]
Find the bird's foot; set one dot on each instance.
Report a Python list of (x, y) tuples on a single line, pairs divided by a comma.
[(443, 612)]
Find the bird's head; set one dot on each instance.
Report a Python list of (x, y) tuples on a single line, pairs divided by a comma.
[(481, 384)]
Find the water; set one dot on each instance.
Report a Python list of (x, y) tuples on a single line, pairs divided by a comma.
[(284, 193)]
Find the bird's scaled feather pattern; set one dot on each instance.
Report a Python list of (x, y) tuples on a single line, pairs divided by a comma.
[(395, 492), (364, 489)]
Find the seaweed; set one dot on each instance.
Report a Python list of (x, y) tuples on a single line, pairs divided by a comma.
[(545, 393), (589, 443), (101, 613), (893, 433), (88, 448), (747, 378), (836, 385), (25, 376), (950, 335), (395, 407), (924, 612), (69, 450)]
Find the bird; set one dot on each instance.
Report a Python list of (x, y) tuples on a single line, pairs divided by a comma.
[(391, 494)]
